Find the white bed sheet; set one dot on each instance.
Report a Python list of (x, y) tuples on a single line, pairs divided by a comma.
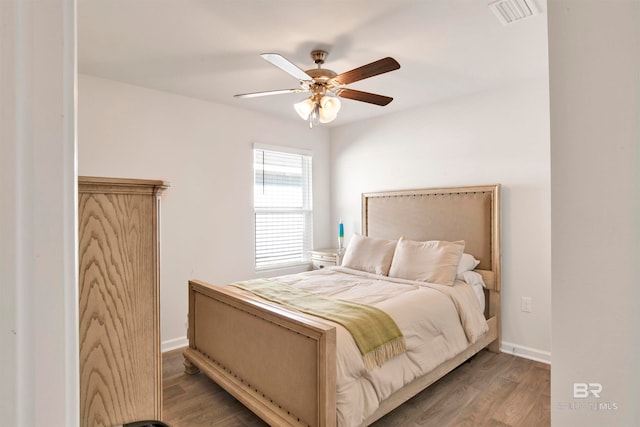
[(438, 322)]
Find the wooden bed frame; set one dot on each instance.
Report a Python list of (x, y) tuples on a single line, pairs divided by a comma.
[(282, 365)]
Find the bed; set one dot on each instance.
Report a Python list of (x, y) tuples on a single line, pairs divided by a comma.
[(287, 366)]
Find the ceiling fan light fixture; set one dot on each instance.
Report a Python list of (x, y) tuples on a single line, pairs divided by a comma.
[(329, 107), (304, 108), (318, 109)]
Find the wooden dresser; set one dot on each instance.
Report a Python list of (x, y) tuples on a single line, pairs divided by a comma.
[(119, 308)]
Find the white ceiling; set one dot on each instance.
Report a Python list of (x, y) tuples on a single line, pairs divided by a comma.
[(209, 49)]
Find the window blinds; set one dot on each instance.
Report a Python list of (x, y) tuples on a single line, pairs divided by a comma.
[(282, 207)]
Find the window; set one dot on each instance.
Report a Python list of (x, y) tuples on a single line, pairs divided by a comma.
[(282, 207)]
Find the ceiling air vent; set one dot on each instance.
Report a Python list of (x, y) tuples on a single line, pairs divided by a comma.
[(510, 11)]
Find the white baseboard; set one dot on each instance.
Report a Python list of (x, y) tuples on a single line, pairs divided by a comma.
[(174, 344), (526, 352)]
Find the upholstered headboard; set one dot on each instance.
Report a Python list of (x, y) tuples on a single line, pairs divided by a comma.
[(471, 214)]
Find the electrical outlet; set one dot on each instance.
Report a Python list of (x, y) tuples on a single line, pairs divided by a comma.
[(526, 305)]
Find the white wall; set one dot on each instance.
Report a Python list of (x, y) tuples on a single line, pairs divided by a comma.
[(38, 296), (595, 139), (494, 137), (593, 92), (205, 151)]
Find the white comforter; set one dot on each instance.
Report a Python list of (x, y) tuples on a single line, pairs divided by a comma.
[(437, 321)]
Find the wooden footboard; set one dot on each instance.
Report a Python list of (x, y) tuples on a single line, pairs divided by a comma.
[(279, 364)]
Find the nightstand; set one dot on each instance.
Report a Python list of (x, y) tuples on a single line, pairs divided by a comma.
[(322, 258)]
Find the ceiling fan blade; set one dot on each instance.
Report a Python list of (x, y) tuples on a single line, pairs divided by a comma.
[(287, 66), (269, 92), (380, 66), (358, 95)]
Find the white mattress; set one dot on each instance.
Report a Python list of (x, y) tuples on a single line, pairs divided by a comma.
[(438, 322)]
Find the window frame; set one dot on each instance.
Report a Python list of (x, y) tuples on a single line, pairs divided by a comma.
[(306, 209)]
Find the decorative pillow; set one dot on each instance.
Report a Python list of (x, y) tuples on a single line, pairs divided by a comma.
[(369, 254), (467, 263), (433, 261)]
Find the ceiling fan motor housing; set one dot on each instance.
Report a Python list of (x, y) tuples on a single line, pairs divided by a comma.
[(321, 74)]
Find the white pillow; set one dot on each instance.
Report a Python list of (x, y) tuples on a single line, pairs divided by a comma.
[(433, 261), (475, 280), (369, 254), (467, 263)]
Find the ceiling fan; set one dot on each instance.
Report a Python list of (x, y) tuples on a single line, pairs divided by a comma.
[(326, 86)]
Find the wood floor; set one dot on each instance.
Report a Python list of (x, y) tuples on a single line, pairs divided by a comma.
[(497, 390)]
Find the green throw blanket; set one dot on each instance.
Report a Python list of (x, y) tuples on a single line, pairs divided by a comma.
[(377, 336)]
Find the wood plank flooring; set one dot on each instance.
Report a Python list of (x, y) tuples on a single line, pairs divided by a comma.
[(494, 390)]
